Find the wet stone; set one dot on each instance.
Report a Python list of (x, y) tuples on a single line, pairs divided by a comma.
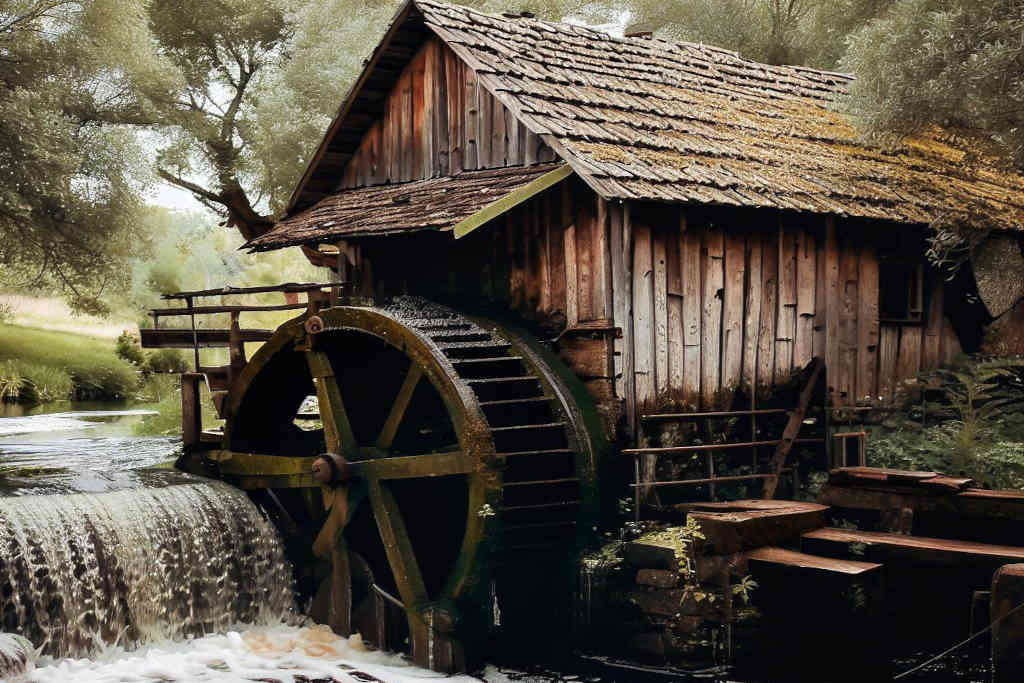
[(658, 578)]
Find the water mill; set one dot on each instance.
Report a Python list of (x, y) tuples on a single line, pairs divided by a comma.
[(622, 363)]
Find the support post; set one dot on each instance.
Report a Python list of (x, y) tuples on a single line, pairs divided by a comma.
[(191, 412)]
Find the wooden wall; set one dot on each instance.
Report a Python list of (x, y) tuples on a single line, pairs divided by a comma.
[(727, 299), (438, 120)]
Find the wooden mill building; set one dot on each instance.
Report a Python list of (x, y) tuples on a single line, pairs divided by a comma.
[(685, 223)]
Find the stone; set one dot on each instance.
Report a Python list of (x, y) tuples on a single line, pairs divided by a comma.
[(1008, 628), (665, 603), (650, 644), (659, 578), (643, 555)]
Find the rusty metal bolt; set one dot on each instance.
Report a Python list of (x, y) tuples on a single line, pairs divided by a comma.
[(314, 325), (330, 468)]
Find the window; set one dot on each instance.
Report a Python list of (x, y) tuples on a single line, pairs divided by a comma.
[(901, 292)]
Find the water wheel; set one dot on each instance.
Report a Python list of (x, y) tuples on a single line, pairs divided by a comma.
[(471, 458)]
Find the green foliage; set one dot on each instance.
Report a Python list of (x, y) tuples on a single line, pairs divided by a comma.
[(127, 348), (27, 382), (166, 361), (981, 433), (69, 187), (11, 381), (95, 371), (953, 63)]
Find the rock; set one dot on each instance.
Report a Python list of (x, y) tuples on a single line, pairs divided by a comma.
[(665, 603), (650, 556), (15, 655), (659, 578), (649, 644)]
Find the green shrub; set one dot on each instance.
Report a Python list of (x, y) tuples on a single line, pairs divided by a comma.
[(11, 381), (44, 383), (95, 370), (127, 347), (166, 360)]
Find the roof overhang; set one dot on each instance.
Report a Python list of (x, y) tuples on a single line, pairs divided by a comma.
[(461, 203)]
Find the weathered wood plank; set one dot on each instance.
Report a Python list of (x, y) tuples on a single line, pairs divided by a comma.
[(620, 307), (908, 362), (572, 299), (769, 312), (752, 312), (806, 285), (849, 271), (931, 347), (517, 258), (543, 218), (471, 124), (888, 349), (422, 78), (557, 223), (832, 308), (585, 253), (674, 290), (628, 335), (659, 261), (408, 131), (792, 428), (785, 331), (711, 337), (440, 148), (643, 315), (732, 310), (950, 342), (690, 258), (602, 260), (867, 326), (456, 110)]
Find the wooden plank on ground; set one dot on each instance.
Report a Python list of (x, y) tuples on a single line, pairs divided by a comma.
[(791, 559), (734, 531), (916, 550)]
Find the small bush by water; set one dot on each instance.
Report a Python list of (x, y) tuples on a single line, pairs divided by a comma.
[(42, 363)]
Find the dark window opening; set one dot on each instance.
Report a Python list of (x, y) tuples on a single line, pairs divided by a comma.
[(901, 292)]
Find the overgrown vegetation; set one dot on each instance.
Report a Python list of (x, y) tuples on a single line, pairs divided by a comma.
[(967, 420), (39, 365)]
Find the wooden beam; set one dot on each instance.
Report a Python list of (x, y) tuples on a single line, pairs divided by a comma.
[(337, 429), (398, 408), (415, 466), (511, 200), (789, 434)]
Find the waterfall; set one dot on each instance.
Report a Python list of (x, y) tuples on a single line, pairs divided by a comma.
[(127, 567)]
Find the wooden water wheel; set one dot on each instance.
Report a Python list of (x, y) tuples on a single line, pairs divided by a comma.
[(469, 450)]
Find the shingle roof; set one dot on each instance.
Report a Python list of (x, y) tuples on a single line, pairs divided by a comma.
[(433, 204), (649, 119)]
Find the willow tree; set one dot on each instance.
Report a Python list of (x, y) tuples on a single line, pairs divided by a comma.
[(69, 184)]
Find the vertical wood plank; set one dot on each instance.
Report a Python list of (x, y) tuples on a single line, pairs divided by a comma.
[(440, 149), (908, 363), (572, 300), (888, 351), (674, 290), (820, 293), (456, 110), (619, 306), (628, 335), (785, 331), (931, 348), (643, 315), (423, 114), (867, 326), (711, 318), (752, 312), (542, 217), (848, 273), (585, 253), (690, 258), (533, 247), (559, 199), (806, 285), (407, 130), (769, 311), (517, 259), (950, 342), (602, 260), (499, 139), (732, 313), (471, 107), (659, 262), (832, 297)]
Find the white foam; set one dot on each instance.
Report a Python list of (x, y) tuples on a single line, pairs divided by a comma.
[(253, 653), (41, 423)]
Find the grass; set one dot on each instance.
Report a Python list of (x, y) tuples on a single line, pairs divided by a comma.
[(52, 313), (42, 362)]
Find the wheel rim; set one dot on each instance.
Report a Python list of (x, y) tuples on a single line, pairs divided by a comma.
[(446, 353)]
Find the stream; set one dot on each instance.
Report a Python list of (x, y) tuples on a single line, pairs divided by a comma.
[(88, 472)]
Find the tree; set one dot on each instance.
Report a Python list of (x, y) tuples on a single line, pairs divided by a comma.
[(957, 64), (69, 187)]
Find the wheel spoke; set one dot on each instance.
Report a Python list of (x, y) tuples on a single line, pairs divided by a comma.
[(337, 429), (416, 466), (387, 433)]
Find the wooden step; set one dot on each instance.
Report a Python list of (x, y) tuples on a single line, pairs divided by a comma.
[(782, 557), (730, 531), (910, 550)]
